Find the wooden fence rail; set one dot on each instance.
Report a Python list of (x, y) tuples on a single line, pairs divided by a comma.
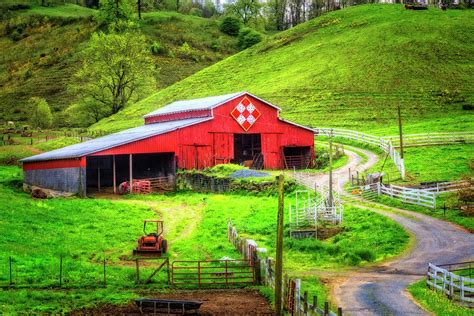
[(294, 302), (457, 287), (429, 139), (407, 195), (385, 145)]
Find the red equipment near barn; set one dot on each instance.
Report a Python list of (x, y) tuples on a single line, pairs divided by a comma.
[(152, 243), (192, 134)]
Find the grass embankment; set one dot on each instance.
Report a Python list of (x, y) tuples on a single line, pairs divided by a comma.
[(36, 232), (40, 49), (348, 68), (10, 154), (436, 302)]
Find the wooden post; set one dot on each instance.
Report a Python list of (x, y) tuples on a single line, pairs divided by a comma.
[(330, 168), (279, 246), (305, 303), (339, 311), (105, 275), (98, 178), (400, 130), (326, 308), (114, 175), (11, 279), (130, 173), (138, 271), (168, 269), (60, 271), (315, 302)]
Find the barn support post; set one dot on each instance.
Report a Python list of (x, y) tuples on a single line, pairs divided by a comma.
[(114, 175), (98, 178), (131, 174)]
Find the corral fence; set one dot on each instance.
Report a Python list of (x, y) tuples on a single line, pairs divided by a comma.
[(432, 139), (148, 185), (442, 187), (212, 273), (380, 142), (404, 194), (293, 301), (456, 280)]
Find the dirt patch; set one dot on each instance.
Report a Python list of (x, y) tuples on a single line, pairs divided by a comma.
[(215, 302)]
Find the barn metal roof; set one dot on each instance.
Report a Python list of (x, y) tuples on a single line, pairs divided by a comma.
[(201, 104), (114, 140)]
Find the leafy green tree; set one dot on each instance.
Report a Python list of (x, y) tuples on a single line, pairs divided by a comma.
[(41, 116), (115, 12), (117, 69), (230, 25), (248, 37), (245, 10)]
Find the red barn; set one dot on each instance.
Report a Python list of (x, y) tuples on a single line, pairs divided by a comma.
[(192, 134)]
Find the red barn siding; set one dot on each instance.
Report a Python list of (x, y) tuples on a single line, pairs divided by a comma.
[(54, 164), (211, 142)]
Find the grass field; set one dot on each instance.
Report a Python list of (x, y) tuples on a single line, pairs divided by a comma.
[(37, 232), (436, 302), (40, 49), (348, 68)]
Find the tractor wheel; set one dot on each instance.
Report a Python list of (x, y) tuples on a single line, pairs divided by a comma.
[(164, 246)]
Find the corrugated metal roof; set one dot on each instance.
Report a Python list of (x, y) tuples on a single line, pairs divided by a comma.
[(114, 140), (195, 104)]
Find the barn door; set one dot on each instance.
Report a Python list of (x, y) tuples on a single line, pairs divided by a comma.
[(223, 148), (271, 151), (196, 156)]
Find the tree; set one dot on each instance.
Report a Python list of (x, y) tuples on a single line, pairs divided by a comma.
[(41, 116), (230, 25), (117, 69), (114, 12), (245, 10), (277, 12)]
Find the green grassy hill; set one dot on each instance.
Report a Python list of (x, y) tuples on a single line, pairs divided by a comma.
[(349, 68), (39, 51)]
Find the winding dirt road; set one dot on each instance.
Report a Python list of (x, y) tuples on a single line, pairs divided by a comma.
[(381, 289)]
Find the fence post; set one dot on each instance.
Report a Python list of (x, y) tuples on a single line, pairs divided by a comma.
[(298, 296), (379, 188), (461, 285), (138, 271), (105, 276), (305, 303), (11, 279), (61, 271), (326, 309), (199, 274), (315, 302), (339, 311)]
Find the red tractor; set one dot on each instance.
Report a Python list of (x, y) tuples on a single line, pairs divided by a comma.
[(152, 243)]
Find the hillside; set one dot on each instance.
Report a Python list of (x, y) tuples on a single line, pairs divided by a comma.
[(349, 68), (40, 51)]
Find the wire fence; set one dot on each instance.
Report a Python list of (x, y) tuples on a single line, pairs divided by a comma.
[(70, 272)]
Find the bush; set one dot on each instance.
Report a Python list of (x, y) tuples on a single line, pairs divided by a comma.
[(195, 12), (230, 25), (366, 254), (249, 37), (157, 49)]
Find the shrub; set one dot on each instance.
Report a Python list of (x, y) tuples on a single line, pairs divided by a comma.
[(249, 37), (195, 12), (230, 25), (157, 49), (365, 254)]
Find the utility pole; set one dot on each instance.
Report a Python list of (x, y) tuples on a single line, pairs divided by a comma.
[(400, 130), (279, 246), (330, 167)]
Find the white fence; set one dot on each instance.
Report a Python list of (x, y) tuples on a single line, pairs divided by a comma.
[(442, 187), (455, 286), (430, 139), (383, 144), (407, 195)]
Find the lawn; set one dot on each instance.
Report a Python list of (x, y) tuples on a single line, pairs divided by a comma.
[(348, 68), (436, 302), (35, 233)]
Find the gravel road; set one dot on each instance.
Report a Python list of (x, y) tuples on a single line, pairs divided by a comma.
[(381, 289)]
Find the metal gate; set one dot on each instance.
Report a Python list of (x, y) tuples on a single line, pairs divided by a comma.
[(212, 273)]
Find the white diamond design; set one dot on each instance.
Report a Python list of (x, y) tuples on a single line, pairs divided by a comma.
[(250, 108), (251, 119), (241, 119), (240, 107)]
